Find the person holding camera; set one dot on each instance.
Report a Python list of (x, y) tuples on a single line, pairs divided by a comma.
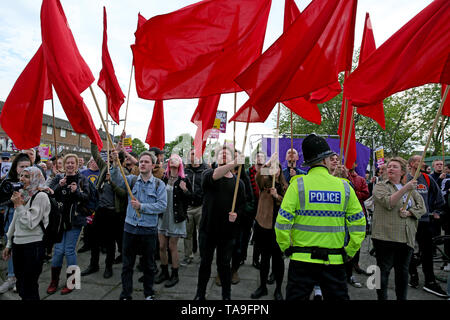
[(71, 191), (21, 161), (25, 233), (291, 169)]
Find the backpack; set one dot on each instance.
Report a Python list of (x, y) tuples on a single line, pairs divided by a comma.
[(54, 231), (92, 205)]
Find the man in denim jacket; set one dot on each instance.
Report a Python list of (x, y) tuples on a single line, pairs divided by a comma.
[(150, 198)]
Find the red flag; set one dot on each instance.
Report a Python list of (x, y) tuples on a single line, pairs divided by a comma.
[(67, 70), (349, 124), (141, 21), (203, 118), (107, 80), (304, 107), (446, 107), (289, 70), (415, 55), (155, 133), (21, 117), (375, 112), (174, 53)]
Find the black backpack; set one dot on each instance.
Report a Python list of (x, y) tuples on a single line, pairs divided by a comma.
[(92, 205), (54, 231)]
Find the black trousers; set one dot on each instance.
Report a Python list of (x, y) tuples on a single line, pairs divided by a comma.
[(103, 231), (424, 237), (393, 255), (246, 225), (208, 244), (265, 241), (131, 243), (303, 276), (27, 260)]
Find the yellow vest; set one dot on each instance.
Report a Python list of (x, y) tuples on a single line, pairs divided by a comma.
[(315, 212)]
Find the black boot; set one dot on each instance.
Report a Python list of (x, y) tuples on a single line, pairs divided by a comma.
[(261, 291), (277, 294), (90, 269), (173, 279), (108, 272), (163, 275)]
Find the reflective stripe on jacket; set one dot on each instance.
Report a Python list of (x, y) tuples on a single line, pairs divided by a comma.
[(315, 213)]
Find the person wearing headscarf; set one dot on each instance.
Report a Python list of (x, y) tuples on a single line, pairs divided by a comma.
[(25, 233)]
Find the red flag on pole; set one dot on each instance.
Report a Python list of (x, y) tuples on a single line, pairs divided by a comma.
[(174, 53), (304, 107), (375, 112), (107, 80), (21, 116), (67, 70), (416, 54), (203, 118), (289, 70), (155, 133)]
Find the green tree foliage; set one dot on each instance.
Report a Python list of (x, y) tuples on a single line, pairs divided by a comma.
[(409, 117), (138, 146)]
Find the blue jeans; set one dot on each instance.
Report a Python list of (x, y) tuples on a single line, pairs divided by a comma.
[(10, 265), (66, 248)]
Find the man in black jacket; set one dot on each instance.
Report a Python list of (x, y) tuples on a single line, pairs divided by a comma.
[(219, 225), (194, 172)]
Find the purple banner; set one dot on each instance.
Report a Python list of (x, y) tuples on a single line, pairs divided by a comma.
[(362, 152)]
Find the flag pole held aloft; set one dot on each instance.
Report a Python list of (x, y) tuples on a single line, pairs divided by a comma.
[(110, 141)]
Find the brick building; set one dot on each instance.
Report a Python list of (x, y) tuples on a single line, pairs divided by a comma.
[(67, 140)]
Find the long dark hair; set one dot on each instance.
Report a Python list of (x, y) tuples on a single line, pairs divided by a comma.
[(12, 175)]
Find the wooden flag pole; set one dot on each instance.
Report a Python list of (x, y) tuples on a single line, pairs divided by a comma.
[(443, 142), (240, 166), (234, 123), (292, 132), (343, 123), (128, 97), (436, 119), (350, 129), (107, 140), (54, 132), (277, 141), (111, 142)]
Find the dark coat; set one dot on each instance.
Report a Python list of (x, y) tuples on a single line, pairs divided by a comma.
[(180, 198)]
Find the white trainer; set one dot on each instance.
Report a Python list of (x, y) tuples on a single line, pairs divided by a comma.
[(9, 284)]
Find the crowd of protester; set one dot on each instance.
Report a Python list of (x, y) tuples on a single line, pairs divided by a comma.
[(142, 207)]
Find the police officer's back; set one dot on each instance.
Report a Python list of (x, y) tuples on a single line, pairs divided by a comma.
[(314, 215)]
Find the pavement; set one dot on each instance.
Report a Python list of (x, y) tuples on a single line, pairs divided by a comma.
[(95, 287)]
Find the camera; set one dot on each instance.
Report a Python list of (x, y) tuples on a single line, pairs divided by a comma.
[(7, 188)]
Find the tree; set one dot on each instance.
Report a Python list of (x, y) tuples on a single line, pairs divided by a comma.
[(409, 116), (181, 146), (138, 146)]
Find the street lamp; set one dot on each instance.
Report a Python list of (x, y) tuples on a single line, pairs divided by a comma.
[(114, 124)]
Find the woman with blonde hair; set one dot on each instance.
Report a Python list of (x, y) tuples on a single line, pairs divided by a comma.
[(394, 228), (71, 190)]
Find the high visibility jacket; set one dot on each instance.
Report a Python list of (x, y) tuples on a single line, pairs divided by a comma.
[(315, 212)]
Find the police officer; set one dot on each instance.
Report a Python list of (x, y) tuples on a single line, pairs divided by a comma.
[(314, 213)]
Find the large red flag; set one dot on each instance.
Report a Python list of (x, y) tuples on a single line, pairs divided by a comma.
[(155, 133), (416, 54), (175, 53), (349, 125), (203, 117), (289, 70), (107, 80), (303, 106), (21, 117), (67, 70), (376, 111)]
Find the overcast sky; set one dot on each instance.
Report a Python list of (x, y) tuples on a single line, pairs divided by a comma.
[(20, 36)]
